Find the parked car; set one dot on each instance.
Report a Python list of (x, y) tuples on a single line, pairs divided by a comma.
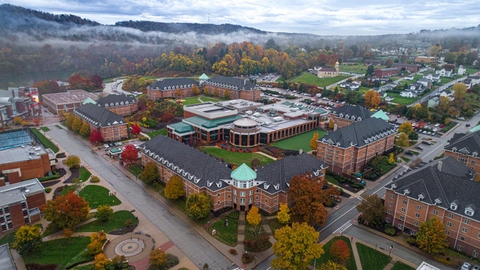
[(106, 145), (466, 266), (418, 147), (476, 267), (467, 125)]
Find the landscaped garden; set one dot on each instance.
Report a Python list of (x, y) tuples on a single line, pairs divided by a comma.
[(190, 100), (46, 142), (84, 174), (226, 234), (372, 259), (236, 157), (116, 221), (98, 195), (327, 256), (308, 78), (301, 141)]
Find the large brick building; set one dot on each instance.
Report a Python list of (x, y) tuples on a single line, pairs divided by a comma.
[(123, 105), (240, 189), (348, 149), (466, 149), (12, 104), (239, 88), (111, 125), (386, 72), (171, 88), (410, 67), (69, 101), (20, 203), (443, 189), (349, 114)]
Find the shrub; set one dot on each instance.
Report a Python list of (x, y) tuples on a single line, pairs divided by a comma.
[(258, 244), (411, 240), (247, 258), (143, 138), (205, 266), (391, 231), (94, 179), (233, 251), (48, 190)]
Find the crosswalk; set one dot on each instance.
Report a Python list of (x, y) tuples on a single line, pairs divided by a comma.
[(343, 227)]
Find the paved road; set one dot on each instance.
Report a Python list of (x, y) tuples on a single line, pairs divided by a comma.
[(195, 247)]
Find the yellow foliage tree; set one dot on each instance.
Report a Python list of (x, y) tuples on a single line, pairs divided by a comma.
[(402, 140), (226, 94), (195, 90), (77, 124), (96, 242), (158, 257), (447, 121), (391, 158), (459, 91), (215, 92), (296, 247), (254, 218), (477, 177), (431, 236), (283, 215), (174, 188), (332, 266), (85, 129), (405, 128), (17, 120), (69, 120), (331, 124), (313, 141), (101, 262), (27, 239), (371, 99)]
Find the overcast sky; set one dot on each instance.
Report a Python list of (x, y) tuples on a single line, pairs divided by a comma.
[(322, 17)]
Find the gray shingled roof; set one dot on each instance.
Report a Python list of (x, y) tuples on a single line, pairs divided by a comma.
[(465, 143), (352, 110), (98, 116), (360, 133), (230, 83), (116, 100), (175, 83), (441, 187), (277, 175)]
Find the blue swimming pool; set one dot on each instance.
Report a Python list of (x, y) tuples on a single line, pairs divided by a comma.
[(14, 139)]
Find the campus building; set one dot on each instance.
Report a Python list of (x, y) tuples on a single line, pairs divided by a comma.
[(12, 104), (58, 103), (123, 105), (349, 114), (409, 67), (444, 189), (20, 203), (244, 123), (326, 72), (22, 157), (466, 149), (171, 88), (233, 88), (348, 149), (240, 189), (111, 125)]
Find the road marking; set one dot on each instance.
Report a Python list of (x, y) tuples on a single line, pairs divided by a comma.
[(343, 227)]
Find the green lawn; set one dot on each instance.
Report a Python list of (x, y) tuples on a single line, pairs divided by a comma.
[(58, 126), (331, 179), (211, 99), (135, 169), (116, 221), (473, 100), (46, 142), (190, 101), (8, 238), (301, 141), (84, 174), (45, 129), (98, 195), (372, 259), (359, 68), (444, 80), (472, 71), (227, 235), (235, 157), (402, 266), (308, 78), (401, 100), (155, 133), (59, 251), (327, 257)]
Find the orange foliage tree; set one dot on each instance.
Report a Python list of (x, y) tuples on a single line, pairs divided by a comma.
[(66, 211), (340, 251)]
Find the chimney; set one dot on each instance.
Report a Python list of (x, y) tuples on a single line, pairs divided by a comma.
[(439, 165)]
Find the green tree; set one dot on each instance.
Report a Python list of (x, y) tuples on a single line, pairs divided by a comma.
[(313, 141), (174, 188), (77, 124), (254, 218), (149, 174), (370, 71), (27, 239), (66, 211), (72, 161), (158, 258), (431, 236), (413, 136), (69, 120), (198, 205), (296, 247), (283, 215), (371, 207), (85, 129), (405, 128), (402, 140), (104, 212)]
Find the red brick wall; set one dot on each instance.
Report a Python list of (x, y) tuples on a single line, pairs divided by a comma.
[(124, 110), (34, 168), (17, 215), (36, 200), (156, 94)]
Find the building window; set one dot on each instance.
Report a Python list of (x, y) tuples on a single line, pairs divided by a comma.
[(218, 195), (389, 211), (475, 254), (464, 229), (449, 224), (234, 192), (462, 238), (250, 192), (390, 203), (447, 232), (466, 221), (435, 212), (228, 189), (450, 215), (266, 201), (387, 220), (256, 198), (419, 207), (392, 196), (257, 204), (417, 215), (228, 196), (459, 248), (242, 194), (400, 226), (218, 202), (403, 210), (415, 223), (404, 201), (402, 217), (249, 200)]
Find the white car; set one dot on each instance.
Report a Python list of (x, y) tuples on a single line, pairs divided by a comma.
[(466, 266), (106, 145)]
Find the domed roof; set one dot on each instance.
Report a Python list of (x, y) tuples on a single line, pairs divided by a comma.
[(245, 122)]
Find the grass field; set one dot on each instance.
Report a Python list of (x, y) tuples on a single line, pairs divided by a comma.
[(59, 251), (327, 257), (311, 79), (116, 221), (46, 142), (84, 174), (155, 133), (98, 195), (301, 141), (372, 259), (401, 266), (212, 99), (235, 157), (401, 100), (44, 129), (190, 101), (359, 68)]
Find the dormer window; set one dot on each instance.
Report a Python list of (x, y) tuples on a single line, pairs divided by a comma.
[(394, 186), (406, 191), (421, 196), (453, 206), (470, 210), (438, 201)]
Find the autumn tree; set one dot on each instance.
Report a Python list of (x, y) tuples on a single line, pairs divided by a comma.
[(340, 251), (149, 174), (330, 265), (17, 120), (158, 258), (307, 198), (135, 129), (402, 140), (72, 161), (391, 158), (174, 188), (104, 212), (96, 242), (389, 62), (129, 154), (371, 99), (85, 129), (101, 262), (195, 90), (198, 205), (36, 121), (459, 90), (371, 207), (226, 94), (77, 124), (254, 218), (283, 214), (405, 128), (69, 120), (215, 92), (431, 236), (331, 124), (296, 247), (95, 136), (27, 239), (313, 141), (66, 211)]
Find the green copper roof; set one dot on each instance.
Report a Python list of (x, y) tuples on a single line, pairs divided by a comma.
[(204, 77), (477, 128), (381, 114), (243, 173), (200, 121), (320, 110), (181, 127), (89, 100)]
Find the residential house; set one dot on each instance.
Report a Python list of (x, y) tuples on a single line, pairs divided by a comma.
[(348, 149), (447, 93), (409, 94), (240, 189), (461, 70), (386, 72), (171, 88), (433, 102), (471, 81), (435, 78), (445, 72), (427, 83), (354, 86), (465, 147), (235, 88), (111, 125), (409, 77), (408, 67), (443, 189), (123, 105), (348, 114)]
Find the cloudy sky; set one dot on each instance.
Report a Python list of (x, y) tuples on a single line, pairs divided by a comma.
[(322, 17)]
